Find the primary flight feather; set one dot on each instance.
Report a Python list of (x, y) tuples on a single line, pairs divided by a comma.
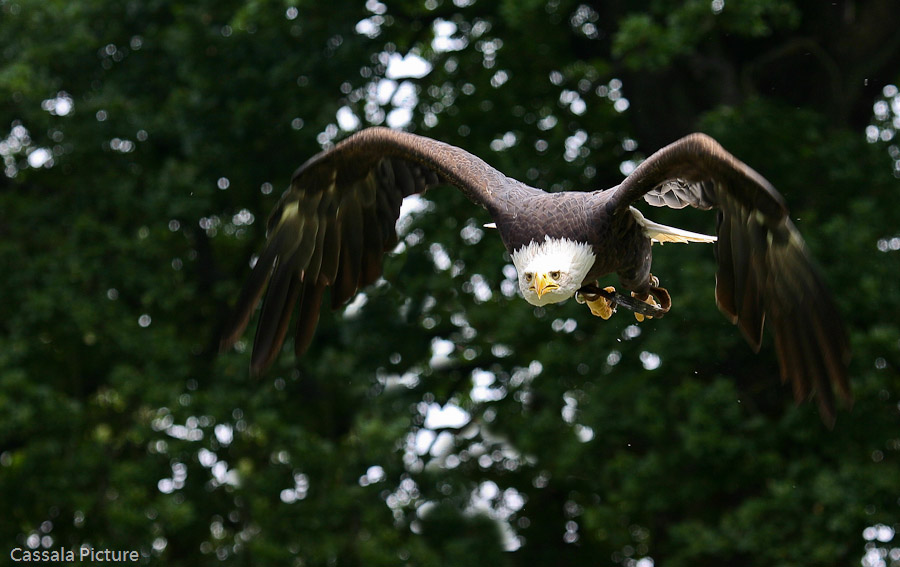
[(337, 220)]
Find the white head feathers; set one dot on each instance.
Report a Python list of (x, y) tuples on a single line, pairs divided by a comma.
[(571, 259)]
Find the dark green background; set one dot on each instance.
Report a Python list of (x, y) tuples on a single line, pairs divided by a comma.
[(121, 426)]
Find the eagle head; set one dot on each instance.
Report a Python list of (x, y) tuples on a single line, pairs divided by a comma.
[(553, 270)]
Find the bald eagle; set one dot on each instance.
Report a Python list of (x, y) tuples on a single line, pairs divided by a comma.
[(335, 223)]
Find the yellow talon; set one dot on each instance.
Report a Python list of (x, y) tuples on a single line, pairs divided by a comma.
[(649, 300), (602, 307)]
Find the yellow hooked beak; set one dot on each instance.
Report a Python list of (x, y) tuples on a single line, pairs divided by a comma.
[(544, 283)]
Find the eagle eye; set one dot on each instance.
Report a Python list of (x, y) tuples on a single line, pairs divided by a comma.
[(529, 276), (554, 275)]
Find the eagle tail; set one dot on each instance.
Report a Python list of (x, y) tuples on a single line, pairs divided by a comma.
[(662, 233)]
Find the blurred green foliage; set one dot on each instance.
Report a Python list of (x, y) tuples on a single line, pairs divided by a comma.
[(143, 143)]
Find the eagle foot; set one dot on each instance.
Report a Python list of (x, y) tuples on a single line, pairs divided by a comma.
[(600, 306), (657, 297), (649, 300), (592, 294)]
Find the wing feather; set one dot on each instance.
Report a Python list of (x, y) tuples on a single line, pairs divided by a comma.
[(739, 265), (388, 204), (253, 290), (753, 314), (331, 249), (307, 316), (275, 317), (789, 343), (351, 253), (370, 270), (725, 273), (313, 271), (764, 269), (404, 178)]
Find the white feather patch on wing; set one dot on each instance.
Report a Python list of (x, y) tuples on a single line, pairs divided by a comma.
[(662, 233)]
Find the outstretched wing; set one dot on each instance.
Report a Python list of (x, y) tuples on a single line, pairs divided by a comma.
[(764, 268), (334, 224)]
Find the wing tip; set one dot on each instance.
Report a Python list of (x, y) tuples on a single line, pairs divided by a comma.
[(235, 328)]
